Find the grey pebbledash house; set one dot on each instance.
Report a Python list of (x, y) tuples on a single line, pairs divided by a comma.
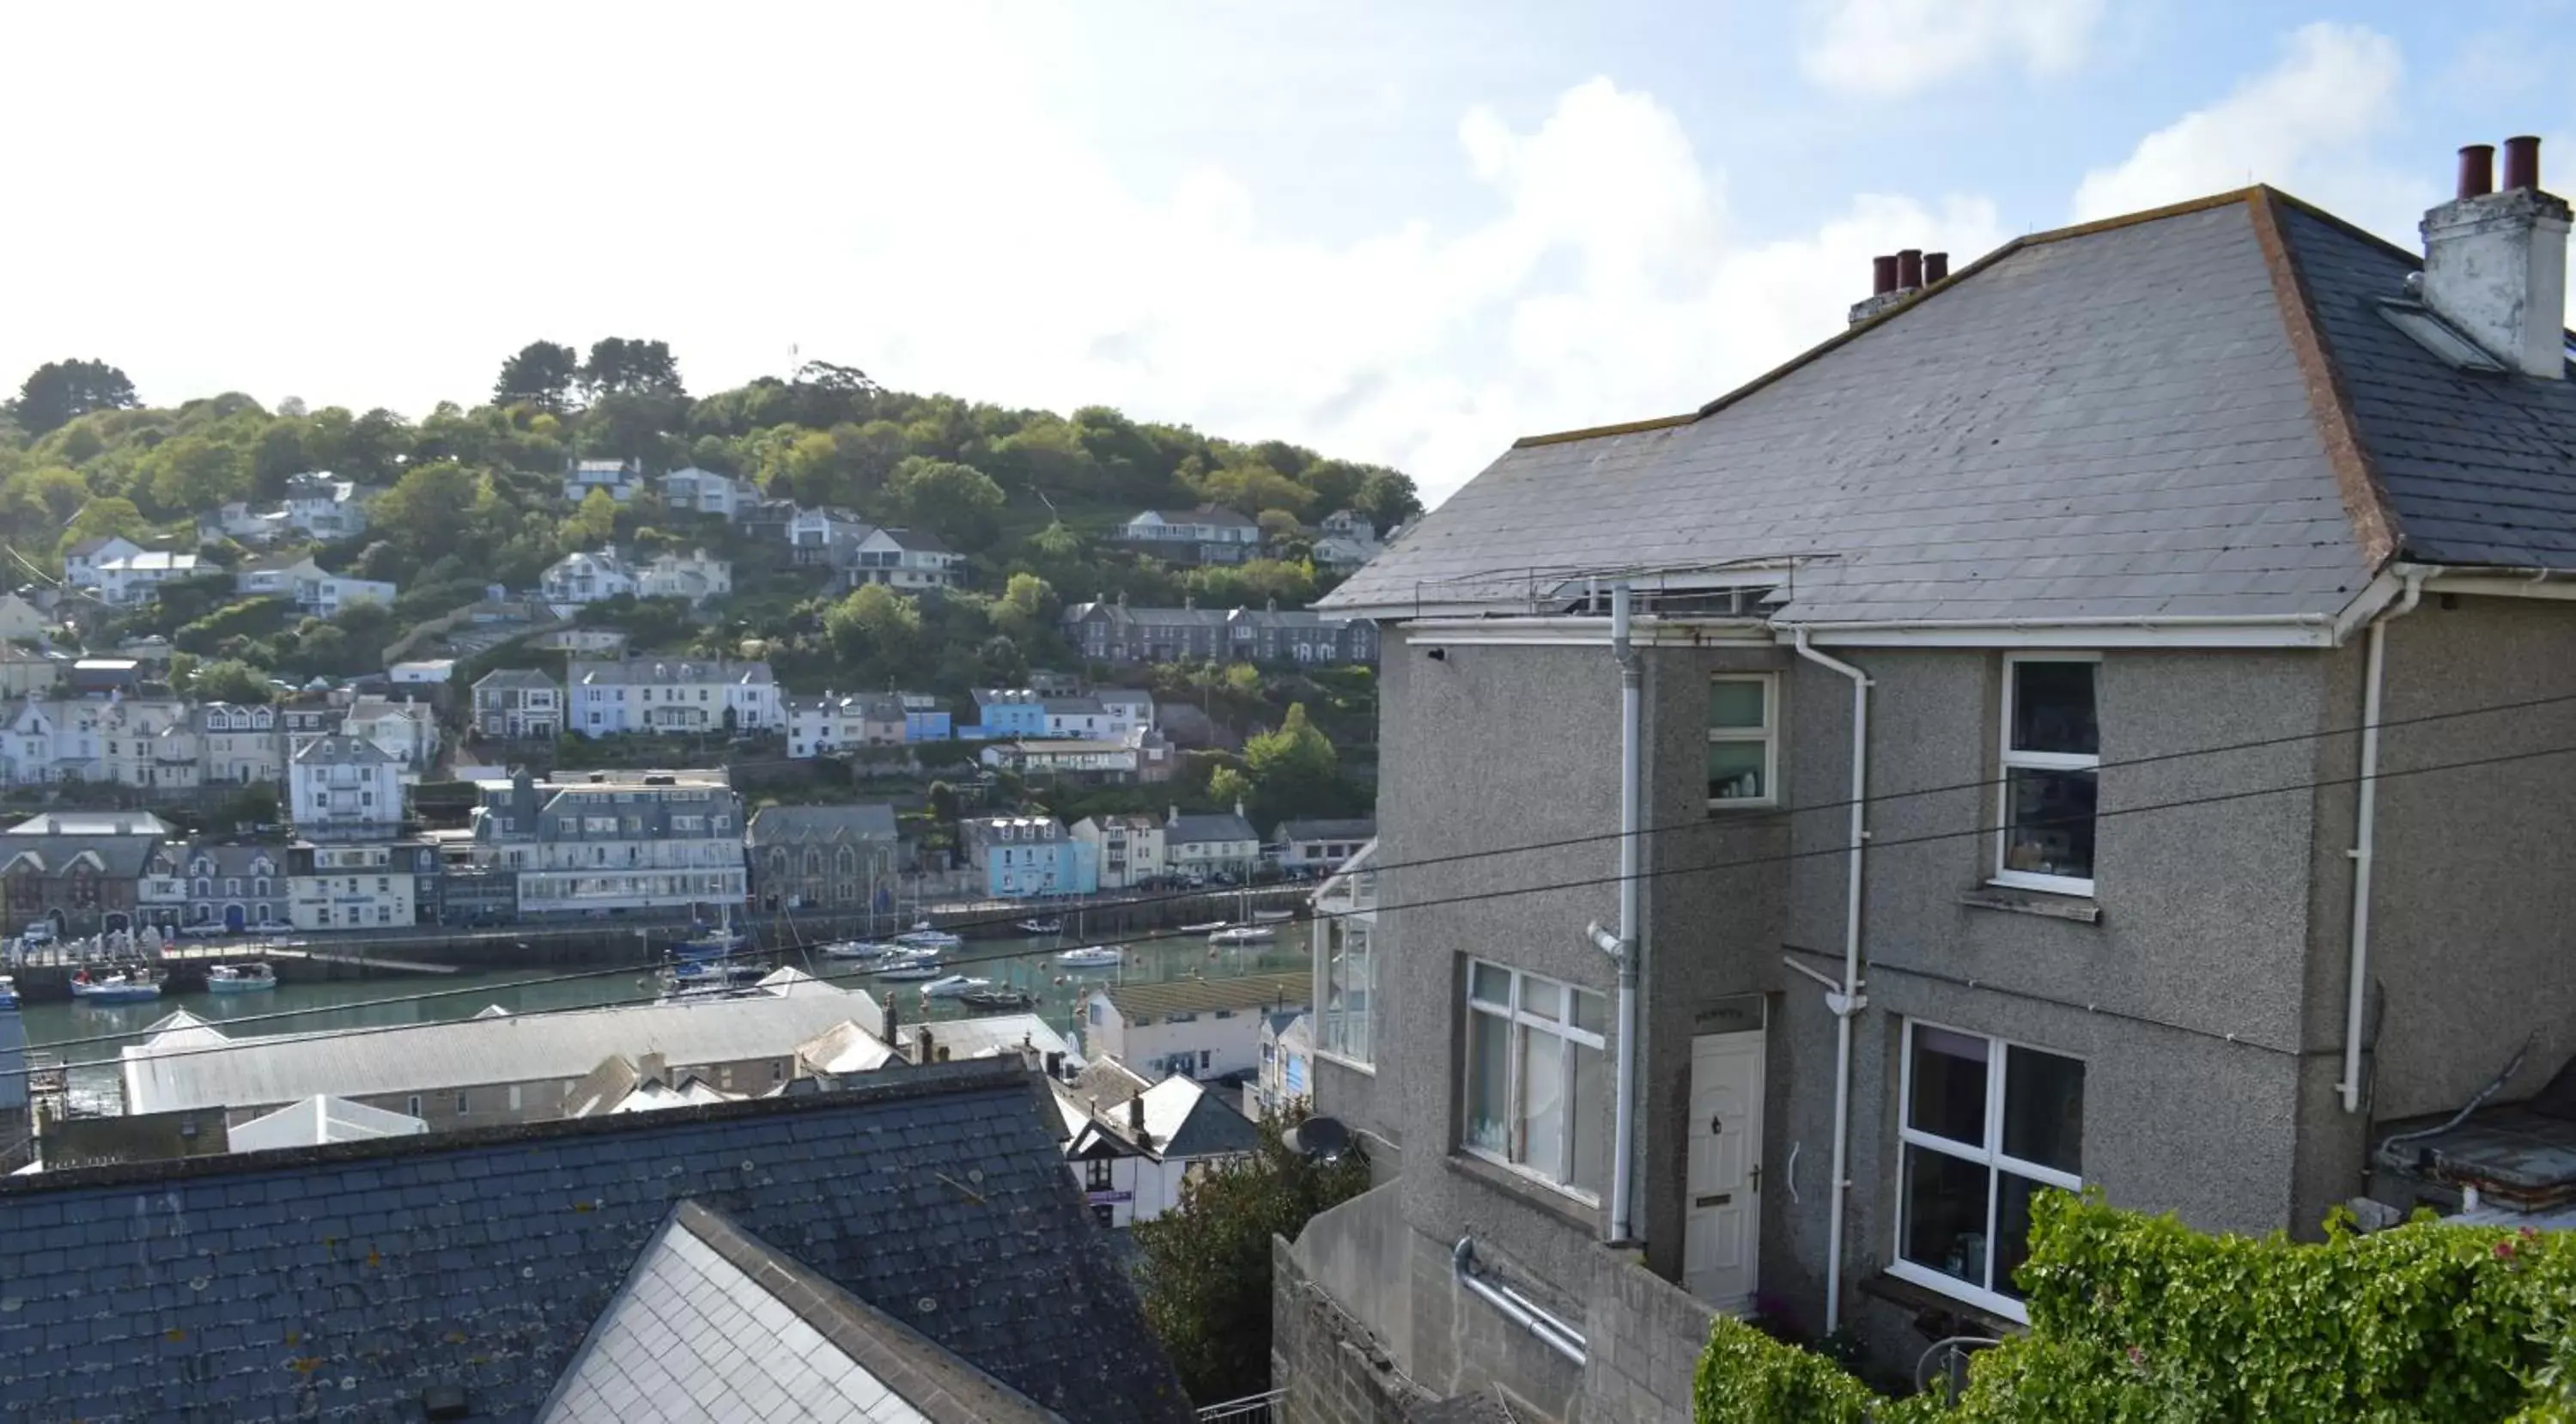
[(2003, 813)]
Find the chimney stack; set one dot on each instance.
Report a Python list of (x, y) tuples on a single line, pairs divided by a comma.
[(1909, 269), (2495, 263), (1936, 267), (1136, 1114), (1882, 275)]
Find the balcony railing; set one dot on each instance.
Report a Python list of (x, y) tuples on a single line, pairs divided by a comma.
[(1267, 1405)]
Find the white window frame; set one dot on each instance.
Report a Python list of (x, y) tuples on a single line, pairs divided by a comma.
[(2010, 761), (1522, 1023), (1989, 1154), (1328, 929), (1768, 736)]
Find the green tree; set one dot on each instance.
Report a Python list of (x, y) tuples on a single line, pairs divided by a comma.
[(1229, 787), (1206, 1266), (594, 524), (957, 501), (1294, 767), (46, 497), (102, 517), (431, 511), (943, 802), (228, 680), (875, 623), (60, 392), (193, 474), (541, 375), (621, 366)]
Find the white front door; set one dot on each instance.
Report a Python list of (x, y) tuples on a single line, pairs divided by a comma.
[(1722, 1225)]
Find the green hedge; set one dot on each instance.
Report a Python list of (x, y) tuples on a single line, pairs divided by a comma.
[(2137, 1319)]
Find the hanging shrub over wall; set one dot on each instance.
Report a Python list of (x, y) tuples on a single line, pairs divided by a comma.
[(2137, 1318)]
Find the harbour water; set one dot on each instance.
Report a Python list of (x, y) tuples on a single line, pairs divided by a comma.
[(88, 1036)]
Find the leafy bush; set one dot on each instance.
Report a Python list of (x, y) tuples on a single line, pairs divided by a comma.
[(2137, 1319)]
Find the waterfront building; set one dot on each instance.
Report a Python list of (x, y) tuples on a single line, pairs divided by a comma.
[(1022, 856), (613, 841), (356, 886), (342, 786), (507, 1068), (671, 695), (78, 871), (838, 858)]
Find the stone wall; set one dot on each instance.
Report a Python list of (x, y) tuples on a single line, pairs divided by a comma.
[(1333, 1370)]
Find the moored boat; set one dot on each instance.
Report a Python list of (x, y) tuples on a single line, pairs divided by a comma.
[(1244, 934), (922, 936), (127, 985), (954, 986), (1273, 917), (860, 949), (240, 978), (1041, 926), (1211, 927), (917, 965), (1089, 956), (711, 981), (8, 993), (996, 1001)]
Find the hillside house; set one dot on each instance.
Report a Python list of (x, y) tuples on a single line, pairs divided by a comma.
[(671, 695), (1209, 534), (518, 703)]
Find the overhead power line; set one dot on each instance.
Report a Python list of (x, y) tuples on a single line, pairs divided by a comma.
[(1980, 830)]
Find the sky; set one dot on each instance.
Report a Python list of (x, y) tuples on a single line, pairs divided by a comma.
[(1396, 233)]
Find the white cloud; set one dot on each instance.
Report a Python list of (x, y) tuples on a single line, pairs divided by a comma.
[(316, 222), (1891, 48), (2301, 125)]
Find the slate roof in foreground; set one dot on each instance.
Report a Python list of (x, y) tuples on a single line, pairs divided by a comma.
[(2192, 411), (339, 1282)]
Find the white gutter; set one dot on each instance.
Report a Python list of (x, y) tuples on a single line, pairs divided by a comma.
[(1623, 1120), (2365, 832), (1849, 1000), (1517, 1308)]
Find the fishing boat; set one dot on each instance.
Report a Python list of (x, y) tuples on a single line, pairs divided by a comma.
[(1244, 934), (127, 985), (1041, 926), (1090, 956), (1211, 927), (922, 936), (996, 1001), (8, 993), (240, 978), (954, 986), (1273, 917), (922, 965)]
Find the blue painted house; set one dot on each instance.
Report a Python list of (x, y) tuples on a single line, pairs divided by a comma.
[(925, 718), (1027, 856), (1005, 713)]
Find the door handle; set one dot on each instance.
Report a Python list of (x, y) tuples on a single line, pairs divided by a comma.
[(1753, 1174)]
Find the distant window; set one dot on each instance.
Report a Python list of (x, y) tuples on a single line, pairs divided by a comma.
[(461, 1106), (1348, 992), (1095, 1175), (412, 1105), (2051, 752)]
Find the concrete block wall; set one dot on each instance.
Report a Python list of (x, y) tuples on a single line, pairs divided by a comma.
[(1645, 1339), (1333, 1370)]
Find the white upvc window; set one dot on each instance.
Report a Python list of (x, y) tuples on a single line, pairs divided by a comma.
[(1346, 990), (2051, 756), (1535, 1081), (1985, 1124), (1743, 740)]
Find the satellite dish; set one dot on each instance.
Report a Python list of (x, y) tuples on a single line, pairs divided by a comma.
[(1319, 1139)]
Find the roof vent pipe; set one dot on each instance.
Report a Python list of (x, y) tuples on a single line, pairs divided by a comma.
[(2477, 170), (1909, 269), (1936, 267), (1882, 275), (2521, 163)]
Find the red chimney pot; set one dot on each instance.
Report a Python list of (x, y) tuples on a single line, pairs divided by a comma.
[(1909, 268), (1936, 267), (2521, 163), (1882, 275), (2477, 170)]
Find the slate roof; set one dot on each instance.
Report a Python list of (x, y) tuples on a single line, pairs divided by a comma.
[(822, 825), (1200, 996), (656, 671), (343, 751), (338, 1282), (2190, 411), (1213, 514), (515, 677), (1207, 828), (713, 1324), (1357, 829)]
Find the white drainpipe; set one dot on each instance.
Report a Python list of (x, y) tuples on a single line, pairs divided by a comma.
[(1623, 1131), (1849, 1001), (2365, 832)]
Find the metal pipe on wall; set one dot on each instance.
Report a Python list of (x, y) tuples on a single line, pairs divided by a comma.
[(1849, 1001), (2365, 833), (1631, 825)]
